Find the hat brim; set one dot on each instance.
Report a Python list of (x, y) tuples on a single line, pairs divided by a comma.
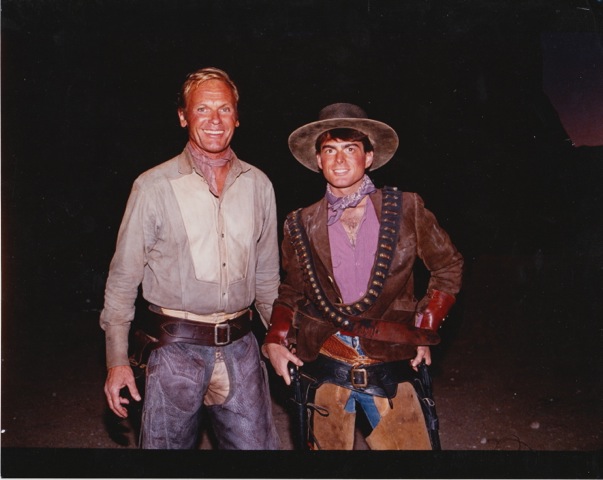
[(383, 138)]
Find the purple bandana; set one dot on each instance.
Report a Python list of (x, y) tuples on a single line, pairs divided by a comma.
[(206, 164), (338, 204)]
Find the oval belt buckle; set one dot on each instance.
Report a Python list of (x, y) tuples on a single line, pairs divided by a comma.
[(219, 330), (359, 377)]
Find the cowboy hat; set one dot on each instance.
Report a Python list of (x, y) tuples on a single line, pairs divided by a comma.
[(343, 115)]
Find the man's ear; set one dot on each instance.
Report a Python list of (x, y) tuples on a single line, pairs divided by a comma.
[(182, 118), (368, 159), (318, 161)]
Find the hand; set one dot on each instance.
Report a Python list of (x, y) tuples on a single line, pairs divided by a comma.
[(423, 353), (280, 357), (118, 378)]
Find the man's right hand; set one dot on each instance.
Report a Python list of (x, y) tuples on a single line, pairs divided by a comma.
[(280, 357), (118, 378)]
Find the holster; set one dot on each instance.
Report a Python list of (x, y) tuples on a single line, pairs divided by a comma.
[(141, 347), (422, 384)]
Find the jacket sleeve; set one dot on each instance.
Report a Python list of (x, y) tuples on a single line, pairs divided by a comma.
[(291, 289), (436, 250)]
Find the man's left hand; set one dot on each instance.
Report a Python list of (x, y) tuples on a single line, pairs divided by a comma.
[(423, 353)]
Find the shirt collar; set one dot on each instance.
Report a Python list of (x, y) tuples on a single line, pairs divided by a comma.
[(186, 164)]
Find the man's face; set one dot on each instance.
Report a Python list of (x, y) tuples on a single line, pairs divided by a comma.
[(211, 117), (343, 164)]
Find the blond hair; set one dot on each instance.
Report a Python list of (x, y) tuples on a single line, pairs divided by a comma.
[(193, 80)]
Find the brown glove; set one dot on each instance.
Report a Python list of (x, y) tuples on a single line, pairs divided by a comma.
[(280, 324), (436, 310)]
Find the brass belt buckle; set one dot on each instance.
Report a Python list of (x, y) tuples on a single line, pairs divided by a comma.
[(219, 329), (359, 377)]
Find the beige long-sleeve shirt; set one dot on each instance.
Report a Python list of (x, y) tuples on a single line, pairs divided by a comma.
[(190, 250)]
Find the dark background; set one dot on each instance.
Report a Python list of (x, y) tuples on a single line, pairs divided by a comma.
[(497, 105), (88, 103)]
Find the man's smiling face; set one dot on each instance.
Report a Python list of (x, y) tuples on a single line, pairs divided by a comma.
[(211, 117), (343, 164)]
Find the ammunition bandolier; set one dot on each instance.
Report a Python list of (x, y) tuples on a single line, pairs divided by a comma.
[(345, 317), (384, 317)]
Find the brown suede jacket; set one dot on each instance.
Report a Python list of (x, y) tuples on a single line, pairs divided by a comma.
[(420, 236)]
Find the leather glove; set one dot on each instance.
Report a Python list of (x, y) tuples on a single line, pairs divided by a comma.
[(439, 303), (280, 324)]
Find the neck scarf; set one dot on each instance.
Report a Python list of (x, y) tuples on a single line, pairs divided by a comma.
[(206, 165), (338, 204)]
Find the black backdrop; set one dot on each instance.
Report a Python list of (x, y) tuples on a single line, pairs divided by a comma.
[(88, 103)]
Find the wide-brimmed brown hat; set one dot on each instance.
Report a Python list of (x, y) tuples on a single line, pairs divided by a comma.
[(302, 142)]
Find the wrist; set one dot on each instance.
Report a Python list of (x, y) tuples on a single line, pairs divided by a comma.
[(269, 347), (436, 310), (280, 325)]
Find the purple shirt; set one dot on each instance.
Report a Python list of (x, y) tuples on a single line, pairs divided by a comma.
[(352, 265)]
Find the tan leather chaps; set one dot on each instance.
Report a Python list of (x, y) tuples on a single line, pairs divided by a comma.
[(400, 428)]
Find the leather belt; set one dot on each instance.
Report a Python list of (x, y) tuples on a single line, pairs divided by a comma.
[(380, 379), (168, 329), (375, 329)]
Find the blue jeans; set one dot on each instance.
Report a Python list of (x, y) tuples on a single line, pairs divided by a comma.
[(178, 377), (365, 400)]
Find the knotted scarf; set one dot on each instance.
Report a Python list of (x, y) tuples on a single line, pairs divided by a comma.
[(338, 204), (206, 165)]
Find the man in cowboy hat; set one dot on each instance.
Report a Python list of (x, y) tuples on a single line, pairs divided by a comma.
[(346, 314)]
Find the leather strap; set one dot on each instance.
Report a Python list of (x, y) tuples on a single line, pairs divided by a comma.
[(381, 379), (168, 329), (384, 331)]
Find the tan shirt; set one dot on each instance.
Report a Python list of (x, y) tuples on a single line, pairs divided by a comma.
[(190, 250)]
